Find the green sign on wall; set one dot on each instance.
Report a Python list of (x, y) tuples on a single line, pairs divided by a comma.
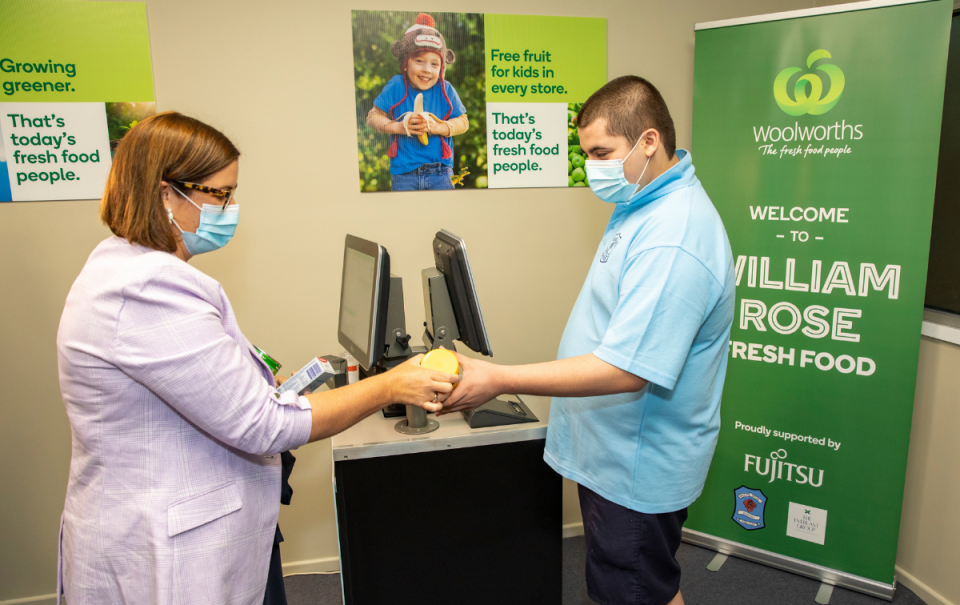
[(74, 77), (817, 140)]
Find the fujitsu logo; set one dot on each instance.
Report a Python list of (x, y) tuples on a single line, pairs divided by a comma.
[(777, 468)]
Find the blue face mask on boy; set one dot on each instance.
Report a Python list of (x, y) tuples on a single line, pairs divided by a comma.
[(217, 226), (608, 181)]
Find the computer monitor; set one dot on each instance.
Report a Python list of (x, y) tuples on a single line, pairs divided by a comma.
[(364, 293), (450, 256)]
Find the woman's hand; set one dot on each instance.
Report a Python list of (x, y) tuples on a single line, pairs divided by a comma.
[(414, 385), (481, 383), (280, 379)]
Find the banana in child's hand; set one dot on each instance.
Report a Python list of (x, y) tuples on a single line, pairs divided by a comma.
[(418, 111)]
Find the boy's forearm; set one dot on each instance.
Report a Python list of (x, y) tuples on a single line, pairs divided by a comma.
[(458, 125), (378, 120), (582, 376)]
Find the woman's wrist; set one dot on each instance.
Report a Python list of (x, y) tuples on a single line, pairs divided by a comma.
[(386, 389)]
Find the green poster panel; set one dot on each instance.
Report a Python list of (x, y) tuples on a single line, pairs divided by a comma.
[(539, 71), (539, 59), (74, 78), (817, 140)]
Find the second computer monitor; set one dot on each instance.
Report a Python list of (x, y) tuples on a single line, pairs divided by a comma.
[(450, 256), (364, 292)]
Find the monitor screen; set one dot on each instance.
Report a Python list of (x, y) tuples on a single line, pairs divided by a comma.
[(450, 255), (359, 280), (363, 295)]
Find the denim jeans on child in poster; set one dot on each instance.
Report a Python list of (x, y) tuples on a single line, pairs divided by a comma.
[(435, 176)]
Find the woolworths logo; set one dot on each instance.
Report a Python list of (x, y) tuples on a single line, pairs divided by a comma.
[(808, 90)]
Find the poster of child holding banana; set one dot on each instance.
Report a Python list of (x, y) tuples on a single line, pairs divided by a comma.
[(408, 109), (467, 100), (419, 109)]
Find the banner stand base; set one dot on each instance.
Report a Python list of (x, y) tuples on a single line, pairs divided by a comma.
[(802, 568)]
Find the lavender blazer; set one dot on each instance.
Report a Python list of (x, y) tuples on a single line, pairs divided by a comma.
[(174, 486)]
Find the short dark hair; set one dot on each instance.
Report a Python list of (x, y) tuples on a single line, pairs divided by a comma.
[(630, 105), (165, 147)]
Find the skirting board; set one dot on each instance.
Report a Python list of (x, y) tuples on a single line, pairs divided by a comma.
[(926, 594), (45, 599), (570, 530), (324, 565)]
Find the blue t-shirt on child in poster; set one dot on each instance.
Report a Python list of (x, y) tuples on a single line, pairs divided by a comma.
[(411, 153), (658, 303)]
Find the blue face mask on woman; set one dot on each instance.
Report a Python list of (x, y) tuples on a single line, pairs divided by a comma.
[(608, 181), (217, 226)]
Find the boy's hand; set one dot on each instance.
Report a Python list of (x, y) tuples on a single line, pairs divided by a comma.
[(480, 383), (418, 125)]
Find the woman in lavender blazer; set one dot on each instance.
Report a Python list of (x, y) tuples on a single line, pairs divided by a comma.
[(174, 486)]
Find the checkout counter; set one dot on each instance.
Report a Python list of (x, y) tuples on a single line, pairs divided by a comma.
[(456, 516)]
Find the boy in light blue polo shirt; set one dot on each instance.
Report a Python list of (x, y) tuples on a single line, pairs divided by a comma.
[(640, 370), (658, 303)]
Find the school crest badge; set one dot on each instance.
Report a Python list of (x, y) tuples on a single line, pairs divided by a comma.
[(749, 507)]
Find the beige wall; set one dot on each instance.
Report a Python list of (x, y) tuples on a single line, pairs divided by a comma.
[(277, 78), (928, 558)]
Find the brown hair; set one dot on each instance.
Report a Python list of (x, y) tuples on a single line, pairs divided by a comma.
[(165, 147), (630, 105)]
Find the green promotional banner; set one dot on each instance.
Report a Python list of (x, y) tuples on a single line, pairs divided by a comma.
[(816, 138), (514, 82), (74, 77)]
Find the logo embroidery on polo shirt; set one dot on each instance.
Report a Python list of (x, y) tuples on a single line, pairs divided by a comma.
[(613, 244)]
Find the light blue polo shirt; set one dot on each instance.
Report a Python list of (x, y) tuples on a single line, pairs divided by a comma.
[(658, 302)]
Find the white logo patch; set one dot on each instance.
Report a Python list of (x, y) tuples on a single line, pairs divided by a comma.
[(807, 523), (613, 244)]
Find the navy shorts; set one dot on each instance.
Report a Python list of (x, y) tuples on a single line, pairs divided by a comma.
[(631, 556)]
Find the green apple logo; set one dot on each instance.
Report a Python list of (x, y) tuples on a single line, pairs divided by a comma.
[(812, 103)]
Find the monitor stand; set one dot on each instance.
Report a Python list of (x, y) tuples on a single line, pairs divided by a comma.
[(398, 350), (440, 330)]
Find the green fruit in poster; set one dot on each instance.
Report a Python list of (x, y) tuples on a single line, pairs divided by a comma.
[(575, 149), (569, 167), (571, 182), (577, 161), (580, 184), (481, 182), (578, 174)]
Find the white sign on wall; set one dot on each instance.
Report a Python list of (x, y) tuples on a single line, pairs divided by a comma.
[(526, 145), (55, 150)]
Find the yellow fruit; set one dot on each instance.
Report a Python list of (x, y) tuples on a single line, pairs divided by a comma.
[(418, 111), (442, 360)]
